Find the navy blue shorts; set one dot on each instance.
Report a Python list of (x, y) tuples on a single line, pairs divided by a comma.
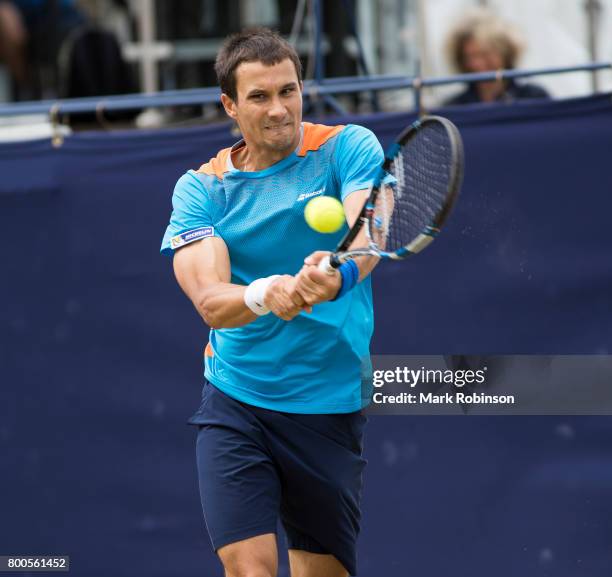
[(256, 465)]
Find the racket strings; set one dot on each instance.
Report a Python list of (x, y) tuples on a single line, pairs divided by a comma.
[(422, 170)]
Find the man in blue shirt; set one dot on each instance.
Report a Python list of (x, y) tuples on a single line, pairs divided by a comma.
[(287, 365)]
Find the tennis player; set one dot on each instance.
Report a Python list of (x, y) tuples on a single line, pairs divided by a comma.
[(287, 368)]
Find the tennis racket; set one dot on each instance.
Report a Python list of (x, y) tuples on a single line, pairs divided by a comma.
[(405, 213)]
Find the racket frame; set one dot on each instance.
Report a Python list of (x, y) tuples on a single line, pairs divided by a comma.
[(429, 233)]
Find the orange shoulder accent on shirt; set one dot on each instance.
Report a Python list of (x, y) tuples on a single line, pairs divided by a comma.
[(316, 135), (216, 166), (208, 351)]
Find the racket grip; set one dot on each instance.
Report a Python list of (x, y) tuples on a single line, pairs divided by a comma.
[(325, 265)]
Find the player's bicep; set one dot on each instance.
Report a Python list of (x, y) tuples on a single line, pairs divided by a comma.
[(201, 265), (353, 203)]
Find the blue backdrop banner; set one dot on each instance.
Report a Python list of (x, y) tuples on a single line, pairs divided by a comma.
[(100, 355)]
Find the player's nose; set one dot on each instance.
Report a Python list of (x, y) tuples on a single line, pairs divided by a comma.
[(277, 109)]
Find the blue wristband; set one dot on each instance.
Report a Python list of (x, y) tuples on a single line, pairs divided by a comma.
[(349, 273)]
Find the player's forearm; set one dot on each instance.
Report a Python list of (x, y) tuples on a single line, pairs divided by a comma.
[(366, 264), (222, 306)]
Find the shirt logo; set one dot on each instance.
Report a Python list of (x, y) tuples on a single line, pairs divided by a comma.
[(305, 195), (191, 236)]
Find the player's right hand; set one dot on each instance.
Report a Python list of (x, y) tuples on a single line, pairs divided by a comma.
[(314, 285), (283, 300)]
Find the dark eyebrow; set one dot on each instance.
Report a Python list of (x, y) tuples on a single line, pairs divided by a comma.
[(258, 91)]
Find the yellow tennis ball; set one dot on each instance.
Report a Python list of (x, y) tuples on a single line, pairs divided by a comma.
[(324, 214)]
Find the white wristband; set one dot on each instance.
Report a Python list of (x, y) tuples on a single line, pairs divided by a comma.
[(255, 293)]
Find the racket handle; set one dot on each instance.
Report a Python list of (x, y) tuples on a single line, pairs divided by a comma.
[(326, 266)]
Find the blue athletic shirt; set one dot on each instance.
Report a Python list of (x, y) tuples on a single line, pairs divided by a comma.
[(317, 362)]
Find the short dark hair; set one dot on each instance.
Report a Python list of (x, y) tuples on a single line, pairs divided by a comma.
[(252, 45)]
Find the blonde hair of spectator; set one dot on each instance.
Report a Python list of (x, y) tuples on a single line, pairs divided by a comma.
[(489, 30)]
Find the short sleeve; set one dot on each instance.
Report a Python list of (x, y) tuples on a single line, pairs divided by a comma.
[(191, 218), (358, 157)]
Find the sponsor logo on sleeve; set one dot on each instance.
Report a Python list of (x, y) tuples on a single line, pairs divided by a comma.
[(190, 236)]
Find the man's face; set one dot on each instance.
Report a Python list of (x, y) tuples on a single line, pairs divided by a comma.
[(268, 105)]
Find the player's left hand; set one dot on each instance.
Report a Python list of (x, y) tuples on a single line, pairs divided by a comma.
[(283, 300), (313, 285)]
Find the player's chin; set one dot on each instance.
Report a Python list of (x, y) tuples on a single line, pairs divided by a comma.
[(281, 134), (279, 143)]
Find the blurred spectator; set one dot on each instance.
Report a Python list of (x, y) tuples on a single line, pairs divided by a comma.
[(31, 32), (482, 42)]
